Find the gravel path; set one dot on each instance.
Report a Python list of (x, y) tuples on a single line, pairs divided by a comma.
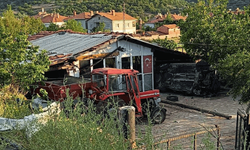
[(181, 121)]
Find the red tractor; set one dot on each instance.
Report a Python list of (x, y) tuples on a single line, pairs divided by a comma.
[(109, 85), (121, 86)]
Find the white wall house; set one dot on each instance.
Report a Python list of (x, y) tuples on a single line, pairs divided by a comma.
[(133, 56), (55, 18), (114, 21)]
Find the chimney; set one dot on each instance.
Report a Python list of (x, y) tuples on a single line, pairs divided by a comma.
[(57, 15), (42, 10), (113, 12), (91, 13), (140, 22), (74, 12), (97, 12)]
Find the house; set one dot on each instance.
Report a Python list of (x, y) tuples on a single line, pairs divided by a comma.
[(41, 14), (114, 21), (160, 18), (172, 30), (48, 18), (77, 54), (82, 18), (55, 18)]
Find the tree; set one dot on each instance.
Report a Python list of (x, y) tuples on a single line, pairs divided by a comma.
[(53, 27), (20, 63), (221, 38), (32, 25), (169, 44), (74, 26), (100, 27)]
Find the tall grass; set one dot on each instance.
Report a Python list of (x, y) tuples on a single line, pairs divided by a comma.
[(80, 127), (13, 103)]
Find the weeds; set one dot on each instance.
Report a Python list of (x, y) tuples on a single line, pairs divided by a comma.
[(79, 126), (13, 103)]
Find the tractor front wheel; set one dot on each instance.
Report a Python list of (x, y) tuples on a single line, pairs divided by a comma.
[(158, 115)]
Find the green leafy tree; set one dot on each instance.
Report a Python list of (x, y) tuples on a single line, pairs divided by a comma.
[(221, 38), (20, 63), (32, 25), (169, 44), (74, 26), (100, 27), (53, 27)]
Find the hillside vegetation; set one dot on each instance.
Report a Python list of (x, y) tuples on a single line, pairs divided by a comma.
[(136, 8)]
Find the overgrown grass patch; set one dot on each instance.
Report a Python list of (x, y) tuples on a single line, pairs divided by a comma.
[(13, 103)]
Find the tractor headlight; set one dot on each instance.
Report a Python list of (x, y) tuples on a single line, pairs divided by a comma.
[(158, 100)]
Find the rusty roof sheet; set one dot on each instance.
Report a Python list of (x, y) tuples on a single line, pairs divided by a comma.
[(63, 45)]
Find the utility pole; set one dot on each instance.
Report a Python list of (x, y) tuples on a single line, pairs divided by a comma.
[(124, 30)]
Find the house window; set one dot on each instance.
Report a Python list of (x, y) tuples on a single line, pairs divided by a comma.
[(148, 82), (117, 25), (85, 68), (137, 63), (98, 63), (110, 63), (99, 18), (134, 24), (128, 25), (97, 24), (126, 63)]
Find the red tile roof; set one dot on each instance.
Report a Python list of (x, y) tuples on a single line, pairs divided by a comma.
[(161, 18), (40, 15), (116, 16), (178, 17), (171, 26), (53, 18), (84, 15)]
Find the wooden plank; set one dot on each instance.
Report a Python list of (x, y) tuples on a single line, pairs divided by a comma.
[(95, 56)]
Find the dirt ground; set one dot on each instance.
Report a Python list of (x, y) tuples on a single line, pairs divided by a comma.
[(181, 121)]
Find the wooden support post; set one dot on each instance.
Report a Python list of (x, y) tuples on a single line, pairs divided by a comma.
[(218, 136), (127, 115), (168, 148), (195, 142)]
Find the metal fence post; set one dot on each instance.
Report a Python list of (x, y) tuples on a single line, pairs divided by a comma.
[(237, 130)]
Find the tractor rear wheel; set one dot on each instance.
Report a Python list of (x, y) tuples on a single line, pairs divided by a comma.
[(110, 104)]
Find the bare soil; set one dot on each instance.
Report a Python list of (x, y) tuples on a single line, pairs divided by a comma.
[(181, 121)]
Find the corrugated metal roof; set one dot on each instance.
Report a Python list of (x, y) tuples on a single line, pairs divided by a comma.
[(68, 43)]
